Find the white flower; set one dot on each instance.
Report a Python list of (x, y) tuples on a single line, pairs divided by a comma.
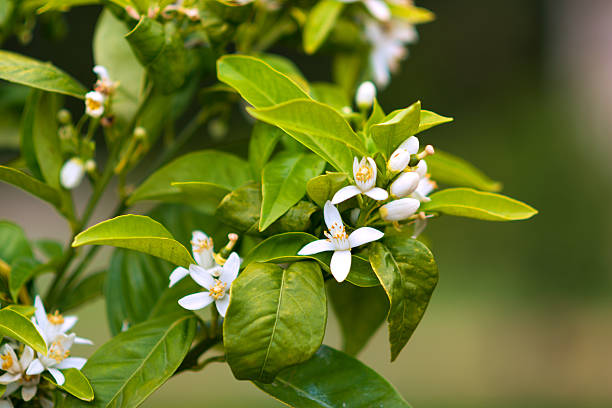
[(15, 375), (94, 104), (339, 242), (104, 84), (57, 359), (72, 173), (52, 325), (378, 8), (364, 173), (388, 41), (6, 403), (405, 184), (425, 187), (399, 209), (202, 247), (216, 289), (366, 93), (400, 158)]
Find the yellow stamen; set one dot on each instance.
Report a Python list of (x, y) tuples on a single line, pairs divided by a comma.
[(364, 173), (56, 318), (217, 291), (57, 352), (7, 361), (201, 245), (92, 105)]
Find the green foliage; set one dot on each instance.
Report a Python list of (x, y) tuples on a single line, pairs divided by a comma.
[(264, 139), (22, 270), (75, 383), (323, 187), (15, 244), (276, 318), (395, 128), (319, 24), (30, 184), (20, 328), (467, 202), (449, 169), (86, 290), (430, 119)]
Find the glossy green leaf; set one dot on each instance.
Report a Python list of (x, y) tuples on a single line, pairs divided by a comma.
[(264, 139), (112, 51), (22, 270), (330, 94), (284, 184), (287, 67), (30, 184), (25, 310), (276, 318), (139, 233), (318, 127), (50, 249), (408, 273), (448, 169), (17, 326), (282, 248), (411, 14), (377, 116), (396, 127), (319, 23), (131, 366), (26, 133), (133, 285), (46, 140), (75, 383), (360, 312), (207, 166), (89, 288), (14, 243), (332, 379), (323, 187), (256, 81), (430, 119), (204, 196), (36, 74), (470, 203)]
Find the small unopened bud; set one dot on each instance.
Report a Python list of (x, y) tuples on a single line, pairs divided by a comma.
[(227, 249), (347, 110), (405, 184), (64, 117), (399, 209), (217, 129), (400, 158), (131, 11), (366, 93), (422, 168), (90, 166), (140, 133), (72, 173), (428, 151)]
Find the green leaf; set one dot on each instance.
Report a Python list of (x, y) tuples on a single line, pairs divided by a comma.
[(276, 318), (285, 66), (470, 203), (26, 133), (284, 184), (75, 383), (207, 166), (448, 169), (282, 248), (14, 243), (139, 233), (332, 379), (25, 310), (131, 366), (22, 270), (134, 283), (319, 23), (377, 116), (201, 195), (330, 94), (430, 119), (112, 51), (30, 72), (323, 187), (360, 312), (89, 288), (261, 145), (30, 184), (318, 127), (408, 273), (257, 82), (17, 326), (50, 249), (161, 51), (411, 14), (395, 128), (46, 140)]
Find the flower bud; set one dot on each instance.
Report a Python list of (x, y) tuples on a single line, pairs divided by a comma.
[(217, 129), (140, 133), (94, 104), (405, 184), (399, 209), (90, 166), (422, 168), (64, 117), (365, 95), (72, 173), (402, 155)]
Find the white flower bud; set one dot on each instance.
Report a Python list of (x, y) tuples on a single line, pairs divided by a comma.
[(140, 133), (90, 166), (411, 144), (422, 168), (72, 173), (405, 184), (365, 95), (399, 209), (401, 156), (101, 72), (94, 104)]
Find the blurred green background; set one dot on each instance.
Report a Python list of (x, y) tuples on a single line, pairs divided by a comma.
[(522, 313)]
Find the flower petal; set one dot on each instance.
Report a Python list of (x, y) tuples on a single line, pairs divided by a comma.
[(355, 166), (6, 403), (40, 314), (411, 145), (35, 367), (57, 374), (315, 247), (8, 378), (374, 170), (345, 193), (379, 9), (222, 304), (81, 340), (230, 269), (28, 392), (201, 277), (364, 235), (331, 215), (69, 322), (196, 301), (26, 357), (377, 193), (340, 264), (72, 362), (177, 274)]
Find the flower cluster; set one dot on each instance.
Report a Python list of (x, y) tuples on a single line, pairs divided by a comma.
[(104, 87), (24, 372)]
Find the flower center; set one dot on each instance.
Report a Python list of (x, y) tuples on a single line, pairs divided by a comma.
[(55, 318), (92, 105), (217, 291), (364, 173), (202, 244), (57, 351), (7, 361), (337, 236)]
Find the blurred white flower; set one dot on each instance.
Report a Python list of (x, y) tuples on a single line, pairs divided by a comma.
[(94, 104), (104, 84), (364, 173), (72, 173), (57, 358), (6, 403), (52, 325), (378, 8), (366, 93)]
